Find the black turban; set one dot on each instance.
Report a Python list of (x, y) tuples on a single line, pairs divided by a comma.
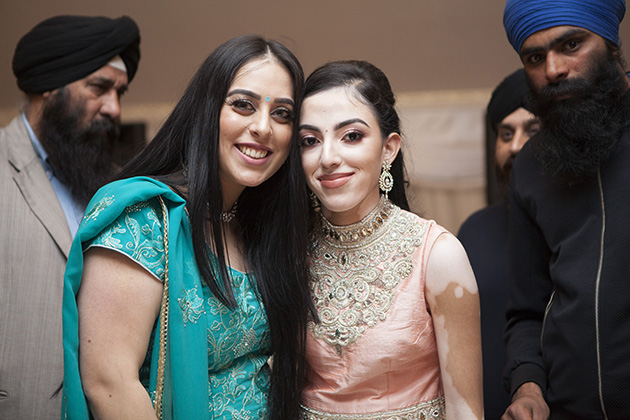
[(510, 95), (64, 49)]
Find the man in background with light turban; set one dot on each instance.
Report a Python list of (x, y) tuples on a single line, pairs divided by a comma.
[(53, 157), (568, 329)]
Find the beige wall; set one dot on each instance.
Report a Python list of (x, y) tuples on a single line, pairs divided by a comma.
[(443, 58), (422, 45)]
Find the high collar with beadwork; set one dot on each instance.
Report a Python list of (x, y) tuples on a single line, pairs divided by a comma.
[(361, 230)]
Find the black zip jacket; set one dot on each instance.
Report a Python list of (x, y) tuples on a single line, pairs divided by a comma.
[(569, 311)]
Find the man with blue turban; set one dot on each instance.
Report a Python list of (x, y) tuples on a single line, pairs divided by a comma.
[(53, 157), (567, 333)]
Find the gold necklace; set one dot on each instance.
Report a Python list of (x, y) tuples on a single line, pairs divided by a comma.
[(363, 228), (228, 216)]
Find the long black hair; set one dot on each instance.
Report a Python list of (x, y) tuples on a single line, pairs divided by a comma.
[(371, 86), (272, 228)]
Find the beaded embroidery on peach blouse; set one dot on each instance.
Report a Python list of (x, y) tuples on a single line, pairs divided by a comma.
[(351, 287), (373, 355), (430, 410)]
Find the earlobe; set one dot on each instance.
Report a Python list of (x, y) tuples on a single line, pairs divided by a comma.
[(391, 146), (49, 94)]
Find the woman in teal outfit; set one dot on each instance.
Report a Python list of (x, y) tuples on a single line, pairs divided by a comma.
[(189, 272)]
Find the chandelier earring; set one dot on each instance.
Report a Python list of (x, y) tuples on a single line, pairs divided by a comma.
[(386, 180)]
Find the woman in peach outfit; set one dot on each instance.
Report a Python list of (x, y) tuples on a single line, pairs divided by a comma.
[(398, 332)]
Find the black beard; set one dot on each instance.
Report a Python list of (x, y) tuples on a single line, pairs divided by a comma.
[(578, 134), (81, 157)]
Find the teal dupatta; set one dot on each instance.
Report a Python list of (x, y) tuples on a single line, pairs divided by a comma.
[(185, 394)]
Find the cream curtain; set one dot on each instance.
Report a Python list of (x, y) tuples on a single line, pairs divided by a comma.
[(444, 145)]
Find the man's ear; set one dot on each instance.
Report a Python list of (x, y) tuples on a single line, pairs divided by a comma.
[(49, 94)]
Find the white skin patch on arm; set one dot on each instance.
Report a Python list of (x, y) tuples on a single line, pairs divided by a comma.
[(452, 295)]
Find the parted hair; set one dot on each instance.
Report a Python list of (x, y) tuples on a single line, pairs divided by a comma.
[(272, 228), (370, 86)]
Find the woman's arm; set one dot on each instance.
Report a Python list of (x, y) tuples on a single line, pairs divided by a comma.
[(118, 303), (453, 300)]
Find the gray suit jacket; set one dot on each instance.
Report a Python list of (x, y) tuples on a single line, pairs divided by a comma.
[(34, 245)]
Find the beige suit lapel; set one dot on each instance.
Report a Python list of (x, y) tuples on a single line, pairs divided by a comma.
[(32, 181)]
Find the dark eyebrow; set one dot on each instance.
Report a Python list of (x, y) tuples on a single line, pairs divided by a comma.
[(527, 124), (244, 92), (283, 101), (101, 81), (337, 127), (351, 121), (563, 37), (309, 127), (258, 97), (107, 83), (531, 122)]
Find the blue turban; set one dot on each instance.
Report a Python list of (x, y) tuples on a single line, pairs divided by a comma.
[(522, 18)]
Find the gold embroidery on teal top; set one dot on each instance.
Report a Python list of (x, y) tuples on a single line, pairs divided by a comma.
[(229, 334), (239, 343), (248, 341), (137, 233), (242, 415), (138, 206), (110, 237), (99, 207), (147, 241), (238, 350), (192, 306), (247, 380)]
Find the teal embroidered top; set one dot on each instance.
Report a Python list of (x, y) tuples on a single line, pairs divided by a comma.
[(238, 341)]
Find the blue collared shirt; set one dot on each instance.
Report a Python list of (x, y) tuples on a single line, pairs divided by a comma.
[(72, 209)]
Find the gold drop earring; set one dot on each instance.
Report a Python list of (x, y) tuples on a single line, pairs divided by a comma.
[(386, 180)]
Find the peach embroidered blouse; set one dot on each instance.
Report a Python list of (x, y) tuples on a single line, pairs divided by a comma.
[(374, 353)]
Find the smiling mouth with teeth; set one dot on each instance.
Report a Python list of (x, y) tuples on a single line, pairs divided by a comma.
[(253, 153)]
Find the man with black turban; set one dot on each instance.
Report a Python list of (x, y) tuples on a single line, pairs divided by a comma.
[(568, 329), (53, 157), (484, 234)]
